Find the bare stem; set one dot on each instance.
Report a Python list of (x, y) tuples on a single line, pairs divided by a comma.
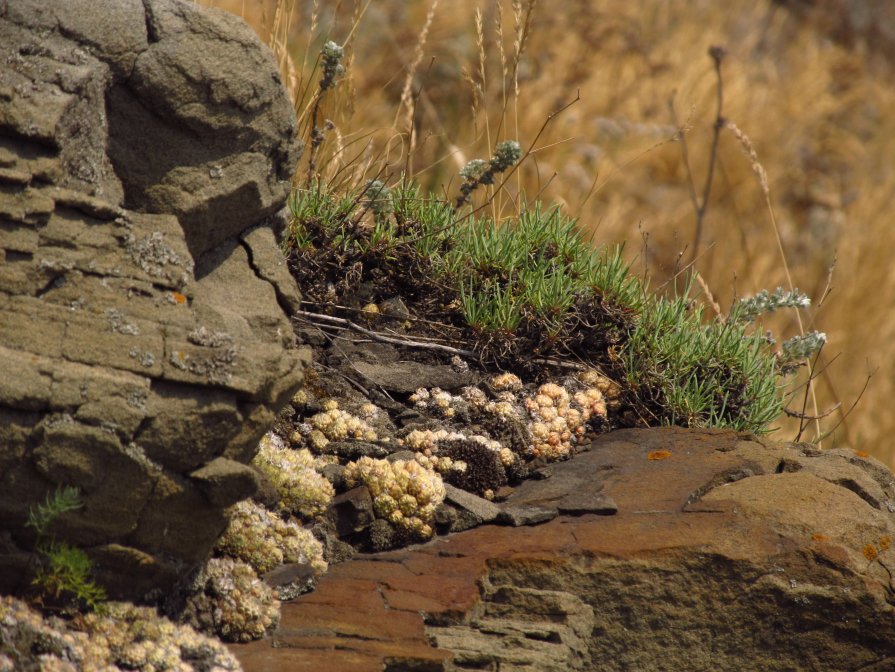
[(717, 54)]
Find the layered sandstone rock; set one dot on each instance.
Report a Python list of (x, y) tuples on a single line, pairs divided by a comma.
[(726, 552), (146, 149)]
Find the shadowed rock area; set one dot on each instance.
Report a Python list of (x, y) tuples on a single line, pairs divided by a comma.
[(146, 150), (726, 552)]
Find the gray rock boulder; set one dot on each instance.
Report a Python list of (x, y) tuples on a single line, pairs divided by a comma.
[(146, 150)]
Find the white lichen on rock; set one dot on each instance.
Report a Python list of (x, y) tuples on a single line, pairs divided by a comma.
[(230, 601), (405, 493), (302, 490), (265, 541)]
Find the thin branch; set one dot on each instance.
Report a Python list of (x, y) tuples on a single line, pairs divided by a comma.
[(845, 415), (311, 317), (596, 186), (828, 288), (717, 54), (685, 154), (802, 416), (683, 269)]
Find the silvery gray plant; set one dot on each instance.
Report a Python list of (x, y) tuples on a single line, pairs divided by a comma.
[(479, 171)]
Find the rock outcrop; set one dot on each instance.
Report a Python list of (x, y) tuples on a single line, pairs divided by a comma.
[(726, 552), (146, 150)]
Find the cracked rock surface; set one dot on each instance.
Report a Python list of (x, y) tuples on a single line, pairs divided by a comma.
[(146, 149), (725, 552)]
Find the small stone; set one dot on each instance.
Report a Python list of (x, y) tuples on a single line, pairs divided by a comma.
[(352, 511), (579, 503), (291, 580), (394, 308), (519, 515), (401, 456), (502, 493), (483, 509), (226, 482)]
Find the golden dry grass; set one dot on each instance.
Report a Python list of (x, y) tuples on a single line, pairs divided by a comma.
[(819, 115)]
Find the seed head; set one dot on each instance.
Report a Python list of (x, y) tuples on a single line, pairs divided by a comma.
[(331, 55), (506, 154)]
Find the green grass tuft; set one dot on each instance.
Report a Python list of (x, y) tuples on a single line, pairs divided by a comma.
[(526, 293)]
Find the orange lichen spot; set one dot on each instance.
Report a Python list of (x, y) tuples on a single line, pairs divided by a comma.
[(870, 552), (862, 453), (819, 537), (659, 455), (181, 355), (885, 543), (178, 298)]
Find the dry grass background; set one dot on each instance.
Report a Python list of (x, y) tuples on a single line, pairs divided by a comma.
[(818, 105)]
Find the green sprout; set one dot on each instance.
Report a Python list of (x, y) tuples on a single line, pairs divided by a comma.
[(65, 499), (701, 375), (64, 570)]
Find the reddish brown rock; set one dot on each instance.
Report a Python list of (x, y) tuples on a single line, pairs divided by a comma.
[(726, 553)]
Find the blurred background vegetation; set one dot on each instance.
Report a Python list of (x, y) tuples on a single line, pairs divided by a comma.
[(429, 86)]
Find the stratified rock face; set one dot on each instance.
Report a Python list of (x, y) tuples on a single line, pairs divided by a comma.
[(145, 150), (725, 553)]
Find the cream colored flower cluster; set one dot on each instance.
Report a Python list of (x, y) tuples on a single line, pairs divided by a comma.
[(124, 636), (610, 390), (335, 424), (425, 442), (232, 602), (139, 639), (474, 396), (436, 401), (508, 382), (440, 463), (439, 403), (558, 419), (404, 491), (266, 541), (302, 489), (505, 405), (369, 412)]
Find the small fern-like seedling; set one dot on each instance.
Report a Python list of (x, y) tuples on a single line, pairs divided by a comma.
[(63, 500), (64, 571)]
